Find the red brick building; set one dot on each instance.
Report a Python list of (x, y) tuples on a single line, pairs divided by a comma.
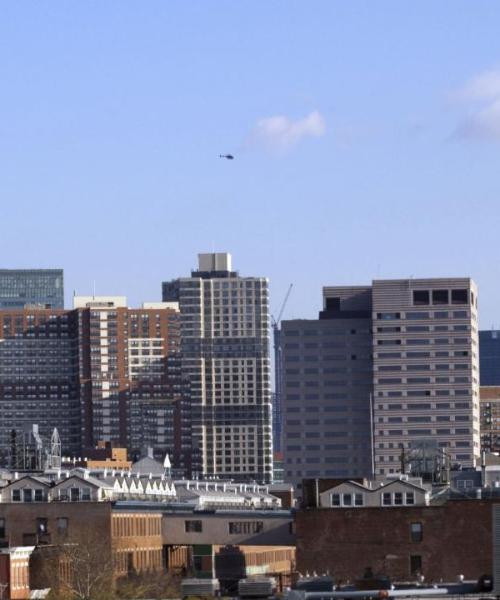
[(102, 371), (437, 541)]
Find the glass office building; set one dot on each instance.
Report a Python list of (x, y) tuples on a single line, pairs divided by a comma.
[(22, 287), (489, 357)]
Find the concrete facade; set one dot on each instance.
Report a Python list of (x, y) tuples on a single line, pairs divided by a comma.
[(426, 369), (249, 528), (327, 383), (402, 352)]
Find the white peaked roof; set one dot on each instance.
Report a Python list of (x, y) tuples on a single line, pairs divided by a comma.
[(166, 463)]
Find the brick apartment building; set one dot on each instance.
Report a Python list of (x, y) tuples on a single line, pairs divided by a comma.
[(101, 371)]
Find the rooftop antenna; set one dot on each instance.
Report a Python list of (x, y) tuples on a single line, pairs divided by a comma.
[(55, 450)]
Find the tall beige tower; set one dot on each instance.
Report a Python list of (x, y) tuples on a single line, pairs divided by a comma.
[(225, 357), (426, 371)]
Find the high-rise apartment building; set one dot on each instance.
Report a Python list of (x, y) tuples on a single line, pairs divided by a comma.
[(422, 382), (426, 369), (100, 372), (225, 357), (20, 288), (489, 357), (130, 378), (327, 384)]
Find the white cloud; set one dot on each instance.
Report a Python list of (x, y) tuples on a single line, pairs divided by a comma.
[(483, 87), (482, 95), (282, 133), (483, 124)]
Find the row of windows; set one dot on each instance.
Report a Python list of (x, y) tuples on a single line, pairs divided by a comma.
[(425, 341), (415, 380), (424, 432), (234, 527), (387, 499)]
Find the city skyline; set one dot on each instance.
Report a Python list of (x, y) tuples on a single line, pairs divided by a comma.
[(115, 119)]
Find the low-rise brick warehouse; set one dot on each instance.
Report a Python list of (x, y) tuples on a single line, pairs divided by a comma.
[(438, 541)]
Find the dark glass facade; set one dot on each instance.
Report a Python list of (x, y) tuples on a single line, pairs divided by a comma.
[(22, 287), (489, 357)]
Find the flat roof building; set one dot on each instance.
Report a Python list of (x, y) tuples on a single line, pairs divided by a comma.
[(489, 357), (410, 345), (327, 384), (24, 287), (225, 357)]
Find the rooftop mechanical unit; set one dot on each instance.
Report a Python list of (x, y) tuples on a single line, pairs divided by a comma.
[(323, 583), (256, 587), (202, 588)]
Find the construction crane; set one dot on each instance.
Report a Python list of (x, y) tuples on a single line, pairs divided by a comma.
[(277, 398), (276, 322)]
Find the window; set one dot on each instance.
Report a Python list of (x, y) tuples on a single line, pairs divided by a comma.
[(416, 532), (410, 498), (28, 495), (62, 525), (239, 527), (335, 498), (86, 494), (192, 526), (358, 500), (459, 297), (415, 564), (2, 528), (347, 499), (439, 296), (39, 495), (386, 499), (420, 297), (75, 494), (398, 498), (441, 314), (416, 316), (388, 316), (41, 526), (16, 495)]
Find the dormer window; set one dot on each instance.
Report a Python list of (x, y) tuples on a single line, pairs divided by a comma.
[(16, 495)]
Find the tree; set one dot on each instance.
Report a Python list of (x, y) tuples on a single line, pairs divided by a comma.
[(80, 569)]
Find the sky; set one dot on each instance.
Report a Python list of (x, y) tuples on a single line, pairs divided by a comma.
[(366, 138)]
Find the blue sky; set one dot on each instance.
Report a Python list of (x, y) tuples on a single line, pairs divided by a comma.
[(366, 136)]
